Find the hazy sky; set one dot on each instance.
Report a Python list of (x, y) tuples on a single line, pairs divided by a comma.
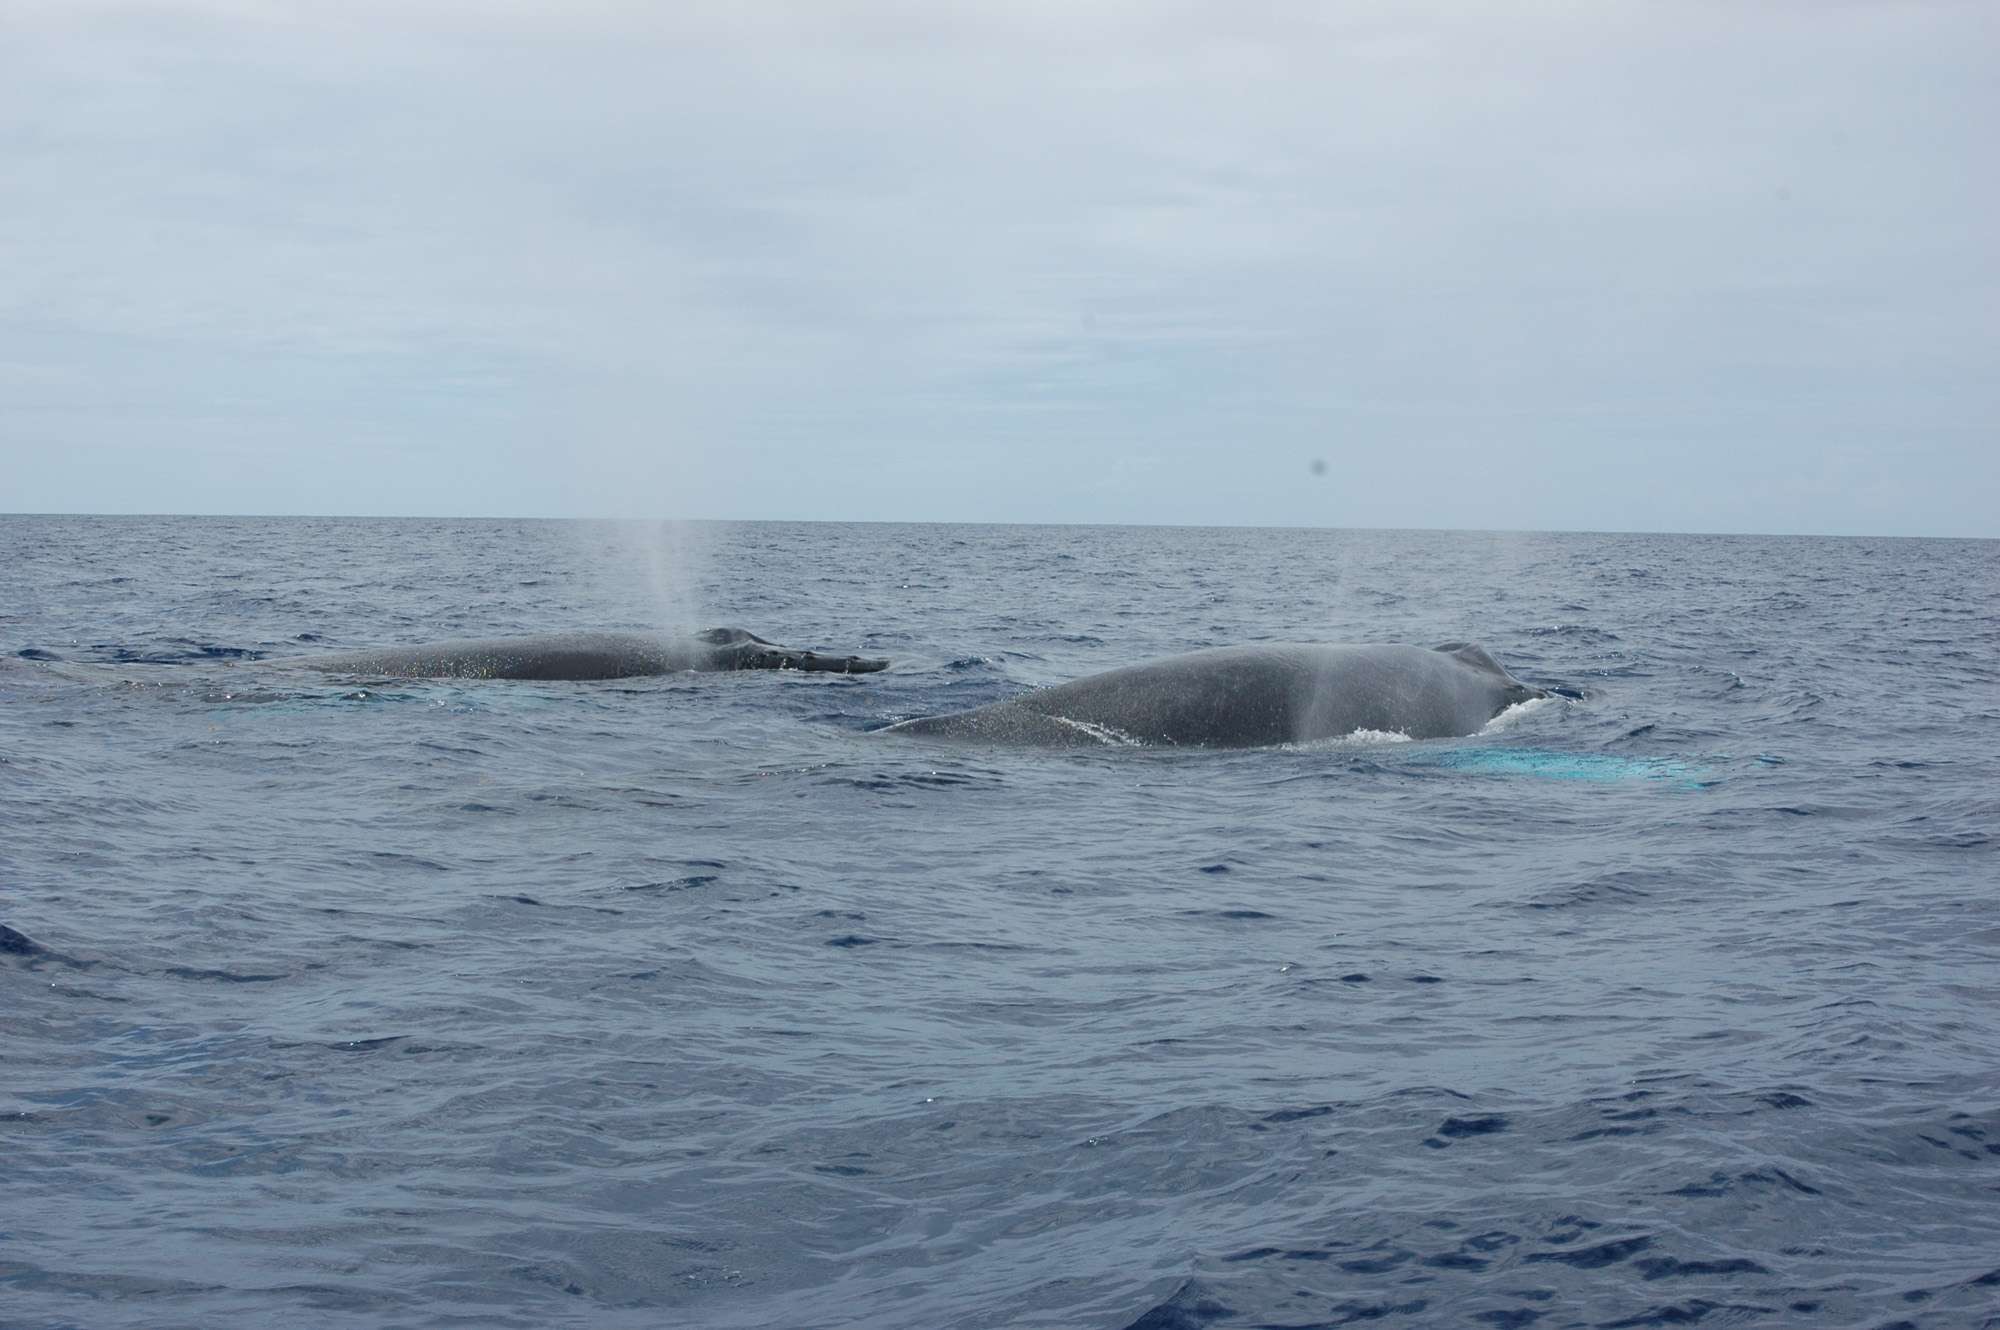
[(1669, 265)]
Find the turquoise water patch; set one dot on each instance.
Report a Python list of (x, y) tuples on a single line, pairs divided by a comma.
[(1549, 764)]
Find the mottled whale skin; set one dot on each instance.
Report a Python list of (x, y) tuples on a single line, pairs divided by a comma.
[(1253, 696), (583, 656)]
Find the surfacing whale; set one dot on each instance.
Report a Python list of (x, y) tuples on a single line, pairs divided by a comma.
[(1253, 696), (583, 656)]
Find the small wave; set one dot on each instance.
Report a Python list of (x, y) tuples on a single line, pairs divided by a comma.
[(690, 883), (1555, 765), (903, 780), (181, 651), (1608, 889), (13, 942), (223, 976), (1574, 632)]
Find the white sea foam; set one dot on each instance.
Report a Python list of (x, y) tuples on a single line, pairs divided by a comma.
[(1362, 738), (1517, 713)]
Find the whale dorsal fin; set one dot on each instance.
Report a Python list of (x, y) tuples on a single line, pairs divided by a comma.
[(729, 637), (1473, 654)]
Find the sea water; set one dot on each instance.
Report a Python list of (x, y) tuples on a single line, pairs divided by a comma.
[(693, 1001)]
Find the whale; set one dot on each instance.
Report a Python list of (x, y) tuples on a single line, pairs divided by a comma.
[(1252, 696), (582, 656)]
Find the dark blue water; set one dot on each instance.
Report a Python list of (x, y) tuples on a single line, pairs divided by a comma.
[(692, 1002)]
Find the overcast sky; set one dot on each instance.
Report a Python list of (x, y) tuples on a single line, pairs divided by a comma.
[(1652, 266)]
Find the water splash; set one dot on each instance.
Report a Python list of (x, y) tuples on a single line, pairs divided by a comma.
[(1364, 737)]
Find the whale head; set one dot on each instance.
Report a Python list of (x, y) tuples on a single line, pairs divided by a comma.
[(1479, 658), (751, 652)]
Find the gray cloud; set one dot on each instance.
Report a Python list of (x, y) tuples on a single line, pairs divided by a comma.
[(1689, 266)]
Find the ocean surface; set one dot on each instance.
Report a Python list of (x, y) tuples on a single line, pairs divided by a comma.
[(693, 1002)]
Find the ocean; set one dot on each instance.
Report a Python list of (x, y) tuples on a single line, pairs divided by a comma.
[(695, 1002)]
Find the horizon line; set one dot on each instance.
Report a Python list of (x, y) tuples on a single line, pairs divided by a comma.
[(882, 521)]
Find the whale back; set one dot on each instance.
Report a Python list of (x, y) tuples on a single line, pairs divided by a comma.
[(1424, 693), (584, 656), (1225, 697), (1254, 696), (1478, 657)]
